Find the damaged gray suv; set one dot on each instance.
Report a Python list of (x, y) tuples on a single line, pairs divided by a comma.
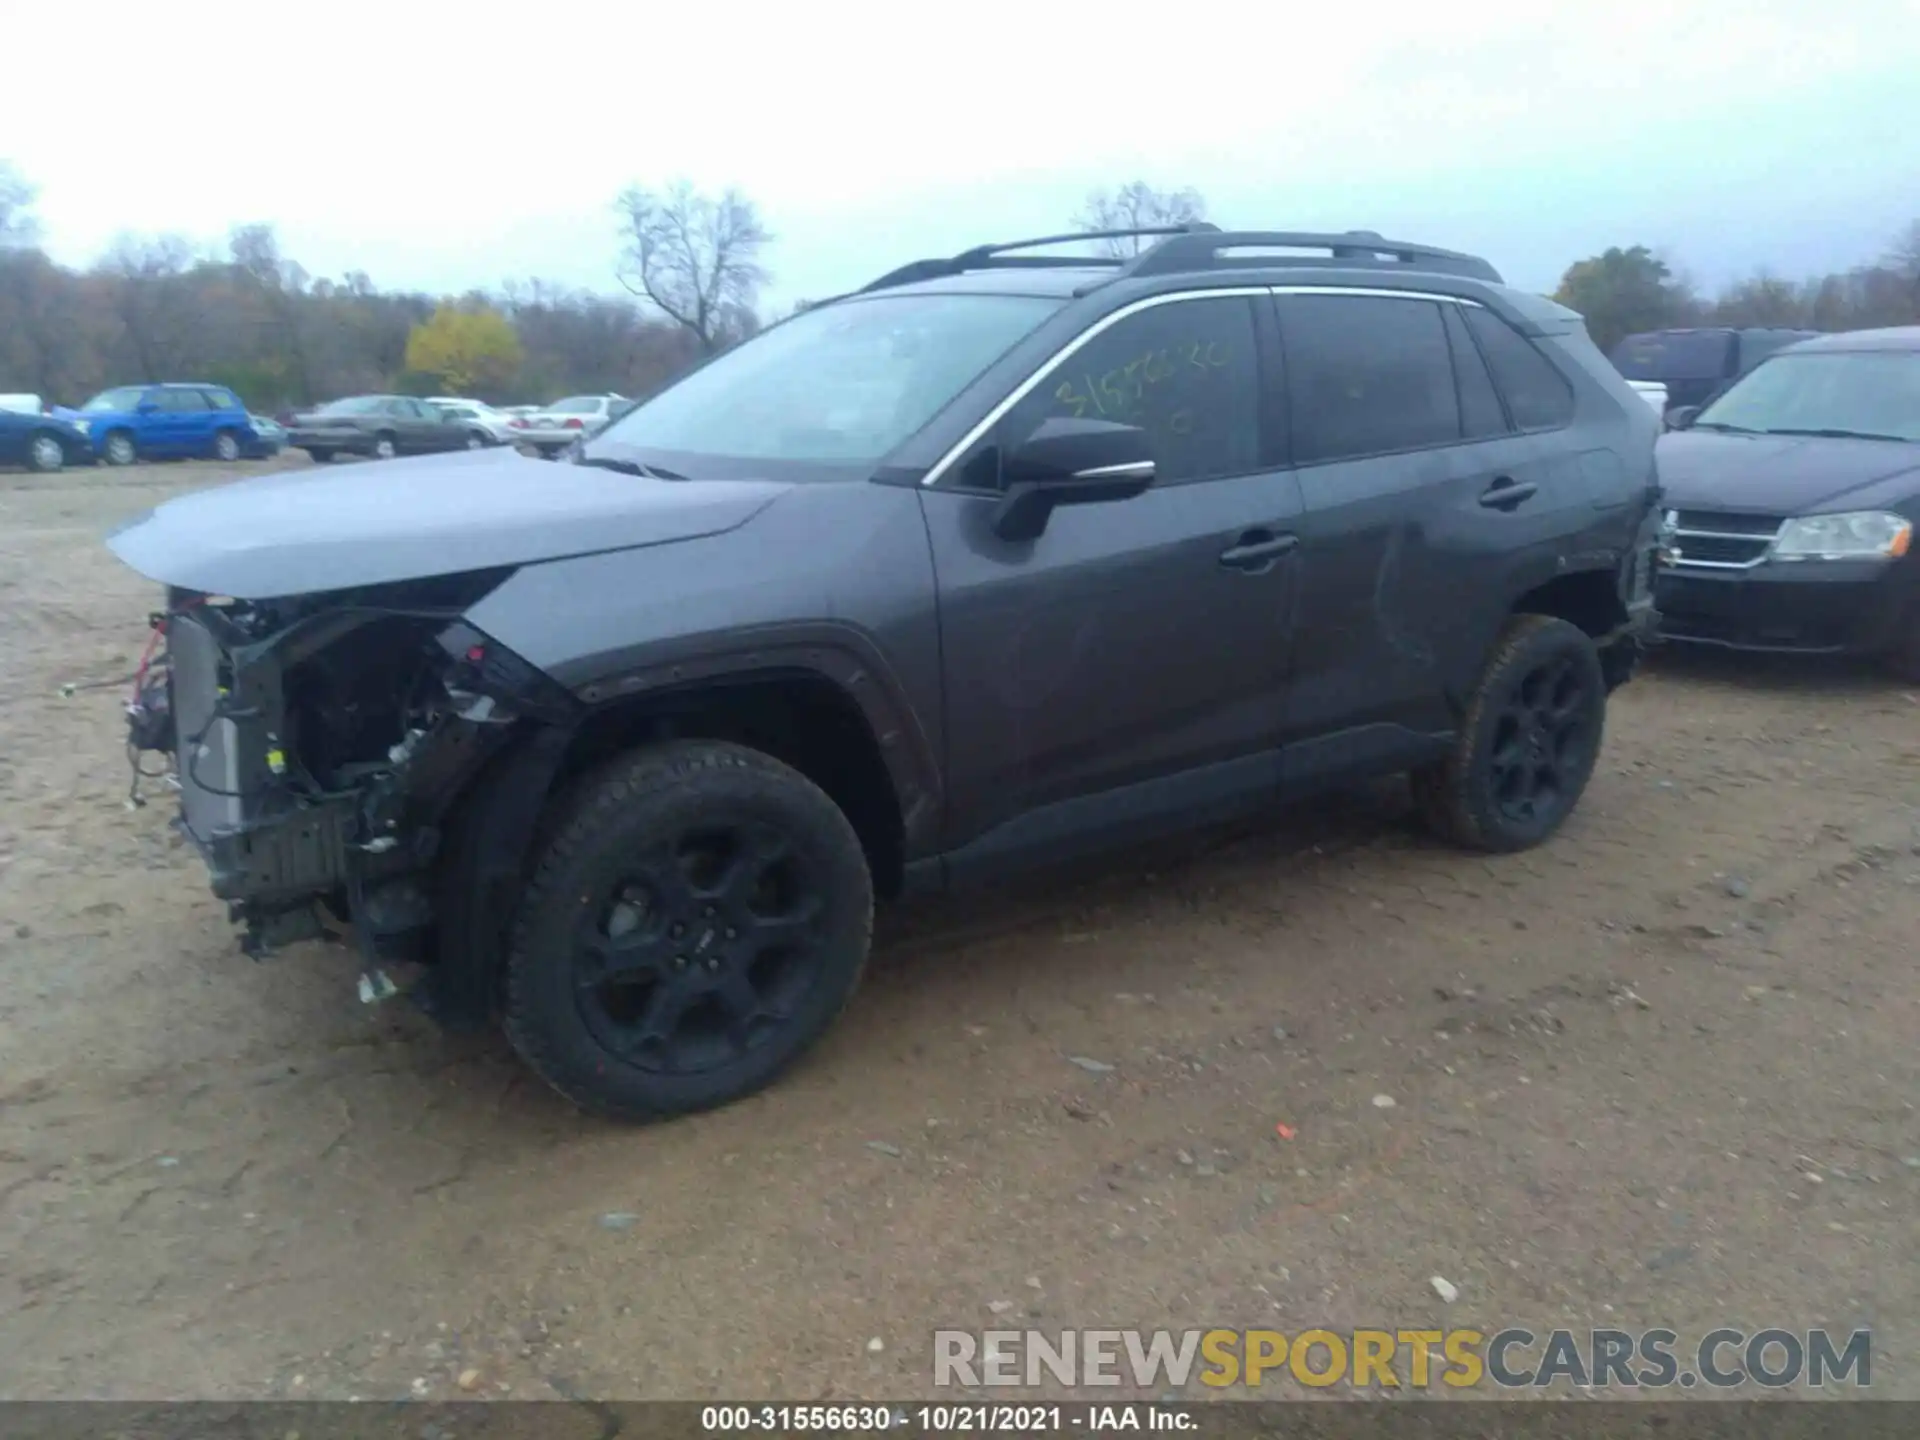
[(1004, 558)]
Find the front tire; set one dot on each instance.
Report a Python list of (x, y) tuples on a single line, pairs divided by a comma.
[(699, 916), (1529, 742), (476, 440), (46, 454), (1903, 660), (384, 447), (120, 449), (226, 446)]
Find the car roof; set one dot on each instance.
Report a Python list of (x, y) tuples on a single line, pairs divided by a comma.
[(1892, 337)]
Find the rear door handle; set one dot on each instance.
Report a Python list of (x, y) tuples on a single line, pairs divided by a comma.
[(1504, 494), (1256, 549)]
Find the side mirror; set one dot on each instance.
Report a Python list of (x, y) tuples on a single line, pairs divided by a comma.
[(1681, 417), (1070, 462)]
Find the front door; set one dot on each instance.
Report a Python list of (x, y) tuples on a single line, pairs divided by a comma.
[(1124, 670)]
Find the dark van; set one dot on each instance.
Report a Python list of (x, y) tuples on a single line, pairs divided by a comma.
[(1695, 363)]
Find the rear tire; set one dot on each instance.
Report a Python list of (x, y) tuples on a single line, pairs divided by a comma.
[(319, 454), (476, 440), (119, 448), (46, 454), (1528, 744), (730, 900), (384, 447)]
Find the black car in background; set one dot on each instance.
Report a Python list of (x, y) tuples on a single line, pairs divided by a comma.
[(1695, 364), (42, 442), (1794, 500)]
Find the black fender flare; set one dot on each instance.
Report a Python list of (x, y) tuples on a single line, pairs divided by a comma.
[(844, 656)]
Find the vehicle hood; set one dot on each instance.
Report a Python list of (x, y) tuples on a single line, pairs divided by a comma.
[(1784, 474), (302, 532)]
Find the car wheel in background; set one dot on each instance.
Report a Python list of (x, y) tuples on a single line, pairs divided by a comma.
[(120, 449), (699, 916), (226, 446), (46, 454), (1528, 744), (319, 454), (383, 447)]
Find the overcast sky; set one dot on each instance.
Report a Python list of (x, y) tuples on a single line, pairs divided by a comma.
[(439, 153)]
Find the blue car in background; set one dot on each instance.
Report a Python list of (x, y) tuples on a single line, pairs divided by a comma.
[(168, 422)]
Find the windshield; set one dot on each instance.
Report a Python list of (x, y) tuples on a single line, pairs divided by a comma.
[(1867, 392), (841, 384), (353, 405), (125, 398)]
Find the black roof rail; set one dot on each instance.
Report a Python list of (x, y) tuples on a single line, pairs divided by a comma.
[(997, 257), (1364, 249)]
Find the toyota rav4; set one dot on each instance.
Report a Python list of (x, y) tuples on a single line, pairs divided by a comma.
[(1003, 558)]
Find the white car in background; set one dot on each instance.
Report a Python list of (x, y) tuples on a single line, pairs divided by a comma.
[(552, 428), (477, 413)]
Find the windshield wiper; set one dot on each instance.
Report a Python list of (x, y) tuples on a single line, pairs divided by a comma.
[(1726, 429), (1834, 433), (629, 467)]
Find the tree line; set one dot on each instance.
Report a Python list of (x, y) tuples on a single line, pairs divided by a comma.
[(693, 265)]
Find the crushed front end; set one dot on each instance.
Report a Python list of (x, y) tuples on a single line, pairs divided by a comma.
[(319, 744)]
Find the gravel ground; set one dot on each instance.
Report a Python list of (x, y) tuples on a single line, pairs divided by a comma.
[(1660, 1072)]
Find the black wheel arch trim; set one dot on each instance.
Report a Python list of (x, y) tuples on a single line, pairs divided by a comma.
[(843, 655)]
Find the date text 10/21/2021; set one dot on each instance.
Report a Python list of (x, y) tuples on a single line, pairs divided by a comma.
[(946, 1419)]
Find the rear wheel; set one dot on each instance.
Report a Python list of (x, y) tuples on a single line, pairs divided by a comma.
[(698, 918), (226, 446), (476, 440), (384, 447), (1528, 744), (46, 454), (120, 449), (319, 454)]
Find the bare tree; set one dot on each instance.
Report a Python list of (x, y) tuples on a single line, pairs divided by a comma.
[(1134, 206), (694, 257), (18, 228)]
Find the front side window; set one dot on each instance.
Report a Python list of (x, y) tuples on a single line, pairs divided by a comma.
[(1538, 395), (838, 385), (1367, 375), (1873, 393), (1186, 372), (183, 400), (222, 400), (127, 397)]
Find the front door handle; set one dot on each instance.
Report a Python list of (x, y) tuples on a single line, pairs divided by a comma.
[(1257, 549), (1504, 494)]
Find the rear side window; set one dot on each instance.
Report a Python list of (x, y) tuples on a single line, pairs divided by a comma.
[(1186, 372), (1480, 414), (1538, 396), (1367, 375)]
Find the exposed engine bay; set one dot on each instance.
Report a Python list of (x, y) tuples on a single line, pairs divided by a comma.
[(317, 744)]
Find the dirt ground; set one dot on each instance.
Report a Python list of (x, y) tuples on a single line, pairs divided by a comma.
[(1661, 1072)]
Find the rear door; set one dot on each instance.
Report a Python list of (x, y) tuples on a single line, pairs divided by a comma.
[(1419, 497), (180, 426), (1123, 672)]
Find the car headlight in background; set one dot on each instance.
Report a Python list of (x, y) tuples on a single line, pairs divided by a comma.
[(1865, 535)]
